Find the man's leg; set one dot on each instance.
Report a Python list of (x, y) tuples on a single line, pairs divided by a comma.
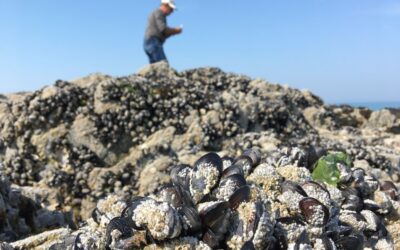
[(151, 57), (159, 54), (154, 50), (148, 46)]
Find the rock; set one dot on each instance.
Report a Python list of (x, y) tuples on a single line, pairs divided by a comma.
[(157, 70), (91, 80), (25, 210), (319, 117), (42, 141), (162, 139), (102, 106), (43, 240), (82, 134), (385, 120), (49, 92), (312, 99), (153, 175)]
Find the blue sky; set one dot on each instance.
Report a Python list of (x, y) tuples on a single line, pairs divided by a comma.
[(342, 50)]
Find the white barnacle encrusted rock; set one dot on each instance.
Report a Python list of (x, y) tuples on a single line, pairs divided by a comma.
[(159, 218)]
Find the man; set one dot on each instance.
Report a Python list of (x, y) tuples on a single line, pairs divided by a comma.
[(157, 31)]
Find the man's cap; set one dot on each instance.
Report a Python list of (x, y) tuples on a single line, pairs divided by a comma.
[(171, 3)]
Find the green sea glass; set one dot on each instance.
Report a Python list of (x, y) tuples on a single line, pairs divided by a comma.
[(326, 167)]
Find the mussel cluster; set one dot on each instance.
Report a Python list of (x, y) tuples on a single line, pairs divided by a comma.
[(147, 106), (37, 113), (50, 106), (242, 204), (211, 201)]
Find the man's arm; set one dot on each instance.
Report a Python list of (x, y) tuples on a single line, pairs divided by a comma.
[(162, 26), (172, 31)]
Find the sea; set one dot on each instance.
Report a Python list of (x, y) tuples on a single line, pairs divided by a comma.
[(372, 105)]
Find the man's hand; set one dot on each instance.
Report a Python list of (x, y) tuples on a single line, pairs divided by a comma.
[(173, 31), (179, 29)]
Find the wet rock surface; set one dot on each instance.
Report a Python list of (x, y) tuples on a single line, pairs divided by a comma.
[(125, 162)]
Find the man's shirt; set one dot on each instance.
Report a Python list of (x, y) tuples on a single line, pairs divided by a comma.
[(156, 25)]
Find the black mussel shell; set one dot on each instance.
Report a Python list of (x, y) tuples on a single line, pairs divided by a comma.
[(184, 196), (387, 185), (351, 242), (248, 246), (175, 195), (280, 243), (227, 161), (329, 244), (78, 243), (293, 187), (352, 199), (302, 239), (244, 162), (307, 207), (121, 224), (316, 185), (212, 215), (232, 170), (9, 235), (129, 210), (229, 185), (299, 156), (180, 175), (342, 230), (96, 215), (358, 174), (383, 230), (238, 179), (373, 221), (192, 219), (210, 158), (171, 195), (390, 189), (254, 155), (312, 157), (290, 220), (371, 205), (211, 239), (239, 196)]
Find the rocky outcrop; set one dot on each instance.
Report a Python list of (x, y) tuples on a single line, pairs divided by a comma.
[(75, 143), (385, 120), (27, 210)]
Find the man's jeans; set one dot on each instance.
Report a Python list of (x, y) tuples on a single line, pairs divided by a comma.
[(154, 50)]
